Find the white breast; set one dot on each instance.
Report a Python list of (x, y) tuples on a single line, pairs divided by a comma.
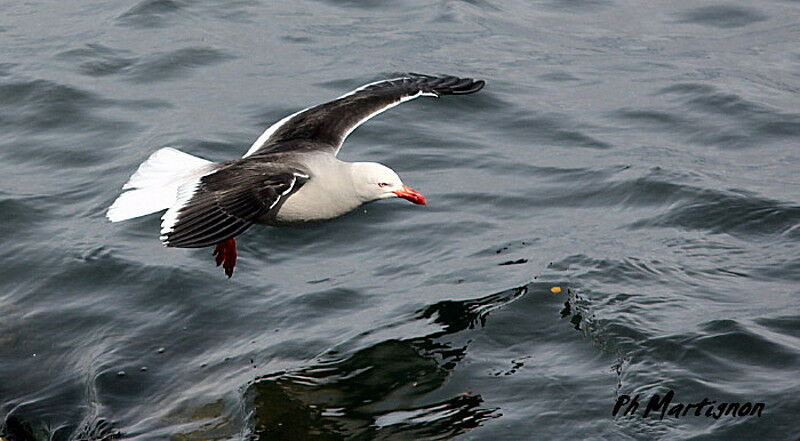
[(328, 194)]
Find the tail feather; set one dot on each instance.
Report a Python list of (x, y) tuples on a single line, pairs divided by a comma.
[(154, 186)]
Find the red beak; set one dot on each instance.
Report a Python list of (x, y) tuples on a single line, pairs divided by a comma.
[(411, 195)]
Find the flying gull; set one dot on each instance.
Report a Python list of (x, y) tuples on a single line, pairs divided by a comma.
[(289, 175)]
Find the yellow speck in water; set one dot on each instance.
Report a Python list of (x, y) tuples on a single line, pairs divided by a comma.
[(555, 289)]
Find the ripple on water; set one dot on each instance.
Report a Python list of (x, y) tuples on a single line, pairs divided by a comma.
[(589, 187), (551, 129), (41, 105), (711, 360), (49, 123), (98, 60), (152, 13), (722, 16), (730, 213), (630, 269), (174, 64), (717, 118)]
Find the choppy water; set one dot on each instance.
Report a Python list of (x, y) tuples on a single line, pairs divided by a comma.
[(643, 156)]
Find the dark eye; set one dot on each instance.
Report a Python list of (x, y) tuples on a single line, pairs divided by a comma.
[(382, 184)]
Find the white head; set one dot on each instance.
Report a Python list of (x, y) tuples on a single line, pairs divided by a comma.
[(373, 181)]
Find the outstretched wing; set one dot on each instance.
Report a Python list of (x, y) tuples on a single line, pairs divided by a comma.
[(224, 204), (325, 127)]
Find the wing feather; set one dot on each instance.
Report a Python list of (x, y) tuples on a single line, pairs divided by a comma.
[(226, 203), (326, 126)]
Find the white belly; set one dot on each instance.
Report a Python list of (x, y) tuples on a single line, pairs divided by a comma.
[(315, 202)]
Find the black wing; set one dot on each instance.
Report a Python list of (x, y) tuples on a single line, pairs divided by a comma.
[(224, 204), (327, 125)]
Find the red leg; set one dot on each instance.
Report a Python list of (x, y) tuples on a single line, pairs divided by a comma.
[(225, 253)]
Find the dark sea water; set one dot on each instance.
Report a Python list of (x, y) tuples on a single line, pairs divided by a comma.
[(642, 156)]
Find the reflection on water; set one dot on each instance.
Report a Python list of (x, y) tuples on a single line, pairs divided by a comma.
[(377, 393), (456, 316), (384, 391)]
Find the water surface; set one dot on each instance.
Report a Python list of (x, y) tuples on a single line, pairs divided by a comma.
[(641, 156)]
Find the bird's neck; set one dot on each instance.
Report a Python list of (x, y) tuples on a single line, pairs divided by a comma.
[(338, 180)]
